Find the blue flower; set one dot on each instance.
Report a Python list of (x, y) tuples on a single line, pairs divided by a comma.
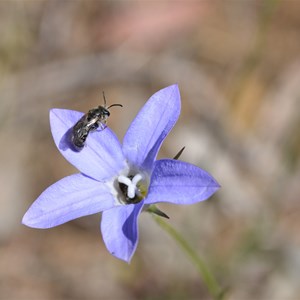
[(120, 180)]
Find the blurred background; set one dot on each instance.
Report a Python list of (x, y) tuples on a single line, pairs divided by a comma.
[(237, 64)]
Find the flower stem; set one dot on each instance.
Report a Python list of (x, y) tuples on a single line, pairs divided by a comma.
[(209, 280)]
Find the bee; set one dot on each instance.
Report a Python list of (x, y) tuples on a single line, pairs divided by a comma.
[(91, 121)]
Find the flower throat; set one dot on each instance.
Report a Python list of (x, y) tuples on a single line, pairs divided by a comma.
[(133, 188)]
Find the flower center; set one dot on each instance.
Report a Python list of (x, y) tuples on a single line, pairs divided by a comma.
[(134, 188)]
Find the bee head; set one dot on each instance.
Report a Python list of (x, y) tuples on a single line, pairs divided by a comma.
[(104, 111)]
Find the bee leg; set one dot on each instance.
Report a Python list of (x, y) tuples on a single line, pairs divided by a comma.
[(102, 125)]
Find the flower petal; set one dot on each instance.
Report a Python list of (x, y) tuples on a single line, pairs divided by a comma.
[(102, 156), (150, 127), (179, 183), (69, 198), (120, 230)]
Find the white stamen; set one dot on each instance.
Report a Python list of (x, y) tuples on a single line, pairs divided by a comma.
[(136, 179), (131, 191), (124, 179), (131, 184)]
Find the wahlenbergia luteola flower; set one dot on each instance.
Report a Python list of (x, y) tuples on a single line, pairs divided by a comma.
[(119, 180)]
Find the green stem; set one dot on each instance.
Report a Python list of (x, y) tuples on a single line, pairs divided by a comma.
[(206, 275)]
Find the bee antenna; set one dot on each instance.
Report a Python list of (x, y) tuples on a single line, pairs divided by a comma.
[(104, 98), (115, 105)]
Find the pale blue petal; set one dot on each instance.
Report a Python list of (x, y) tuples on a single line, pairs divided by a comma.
[(150, 127), (179, 183), (69, 198), (120, 230), (102, 156)]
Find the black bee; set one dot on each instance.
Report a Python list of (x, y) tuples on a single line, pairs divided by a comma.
[(94, 119)]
